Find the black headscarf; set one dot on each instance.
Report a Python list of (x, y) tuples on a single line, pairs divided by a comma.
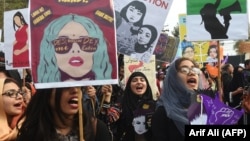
[(131, 100)]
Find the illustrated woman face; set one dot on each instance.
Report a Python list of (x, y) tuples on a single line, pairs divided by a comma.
[(74, 49), (213, 52), (139, 124), (138, 85), (133, 15), (189, 53), (189, 74), (144, 36), (17, 21)]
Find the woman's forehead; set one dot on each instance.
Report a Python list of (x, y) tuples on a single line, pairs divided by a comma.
[(186, 63), (137, 77)]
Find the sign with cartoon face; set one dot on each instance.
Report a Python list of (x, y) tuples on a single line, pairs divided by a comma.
[(137, 27), (73, 43)]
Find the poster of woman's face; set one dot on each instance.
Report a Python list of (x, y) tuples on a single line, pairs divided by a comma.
[(188, 52), (75, 47), (137, 27), (212, 54)]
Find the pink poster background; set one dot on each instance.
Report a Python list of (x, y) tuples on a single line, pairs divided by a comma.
[(45, 11)]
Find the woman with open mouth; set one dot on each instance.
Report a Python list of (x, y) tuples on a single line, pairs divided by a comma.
[(137, 108), (53, 115), (11, 106), (170, 117)]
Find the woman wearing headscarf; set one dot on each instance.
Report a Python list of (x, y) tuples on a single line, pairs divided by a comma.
[(171, 115), (137, 97), (11, 106)]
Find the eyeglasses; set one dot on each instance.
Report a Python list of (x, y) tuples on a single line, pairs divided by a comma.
[(13, 93), (187, 70), (63, 44)]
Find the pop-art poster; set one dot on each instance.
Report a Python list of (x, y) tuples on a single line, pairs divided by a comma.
[(73, 43), (166, 48), (137, 26), (131, 65), (16, 39), (217, 20)]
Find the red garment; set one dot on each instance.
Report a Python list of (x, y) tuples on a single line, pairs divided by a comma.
[(21, 60)]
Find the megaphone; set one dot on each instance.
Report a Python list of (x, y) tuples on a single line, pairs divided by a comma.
[(225, 12), (234, 7)]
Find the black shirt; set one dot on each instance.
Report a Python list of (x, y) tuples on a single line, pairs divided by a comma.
[(164, 128)]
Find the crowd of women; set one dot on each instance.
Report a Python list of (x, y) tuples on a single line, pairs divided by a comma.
[(112, 112), (109, 112)]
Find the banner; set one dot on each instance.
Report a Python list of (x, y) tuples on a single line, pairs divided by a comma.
[(217, 20), (137, 26), (16, 39), (166, 48), (73, 43)]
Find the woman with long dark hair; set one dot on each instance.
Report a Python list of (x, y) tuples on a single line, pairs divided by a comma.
[(52, 115), (137, 96)]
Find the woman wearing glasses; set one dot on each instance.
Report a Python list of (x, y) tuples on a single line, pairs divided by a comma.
[(179, 87), (73, 48), (11, 106)]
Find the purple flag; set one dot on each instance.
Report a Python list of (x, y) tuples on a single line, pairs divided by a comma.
[(219, 113)]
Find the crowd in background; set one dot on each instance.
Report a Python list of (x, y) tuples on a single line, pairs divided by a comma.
[(120, 111), (125, 111)]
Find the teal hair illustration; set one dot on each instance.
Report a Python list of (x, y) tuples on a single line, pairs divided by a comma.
[(48, 70)]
